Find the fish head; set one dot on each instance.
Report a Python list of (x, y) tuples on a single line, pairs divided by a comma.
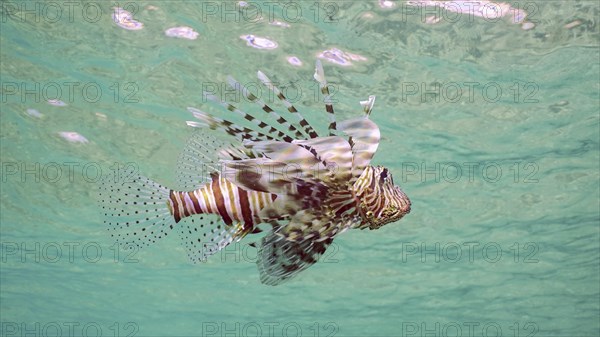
[(381, 202)]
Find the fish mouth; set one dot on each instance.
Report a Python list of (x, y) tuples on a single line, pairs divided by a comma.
[(375, 226), (398, 217)]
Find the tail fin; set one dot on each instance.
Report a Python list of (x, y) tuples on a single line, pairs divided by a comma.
[(137, 212), (135, 208)]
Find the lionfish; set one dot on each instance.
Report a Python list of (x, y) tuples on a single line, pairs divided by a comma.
[(307, 186)]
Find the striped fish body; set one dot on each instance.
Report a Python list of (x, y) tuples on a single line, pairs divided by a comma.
[(317, 186), (235, 205)]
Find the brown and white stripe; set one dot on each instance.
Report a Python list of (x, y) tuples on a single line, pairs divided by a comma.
[(219, 196), (380, 200)]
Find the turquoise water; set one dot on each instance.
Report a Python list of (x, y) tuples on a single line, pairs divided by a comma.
[(503, 235)]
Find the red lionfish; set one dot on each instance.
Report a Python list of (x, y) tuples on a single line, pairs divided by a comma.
[(316, 186)]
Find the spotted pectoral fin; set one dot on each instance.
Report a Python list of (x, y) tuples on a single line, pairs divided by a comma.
[(202, 155), (297, 245), (206, 234), (280, 258), (197, 160)]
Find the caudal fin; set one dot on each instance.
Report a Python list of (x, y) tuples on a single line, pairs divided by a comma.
[(136, 212), (135, 209)]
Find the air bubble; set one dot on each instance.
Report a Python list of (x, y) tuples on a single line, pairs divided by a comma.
[(34, 113), (386, 4), (124, 19), (340, 57), (259, 42), (183, 32), (73, 137), (293, 60), (56, 102)]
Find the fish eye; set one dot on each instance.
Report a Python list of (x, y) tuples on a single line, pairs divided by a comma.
[(384, 174)]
